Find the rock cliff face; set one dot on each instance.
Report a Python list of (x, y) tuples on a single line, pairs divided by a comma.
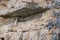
[(29, 19)]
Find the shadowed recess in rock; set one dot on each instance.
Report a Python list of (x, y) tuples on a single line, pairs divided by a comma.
[(32, 8), (59, 36), (2, 38), (24, 12)]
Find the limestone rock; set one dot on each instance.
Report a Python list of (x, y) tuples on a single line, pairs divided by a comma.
[(44, 25)]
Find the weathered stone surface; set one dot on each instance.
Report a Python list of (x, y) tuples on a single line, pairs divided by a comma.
[(42, 26)]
